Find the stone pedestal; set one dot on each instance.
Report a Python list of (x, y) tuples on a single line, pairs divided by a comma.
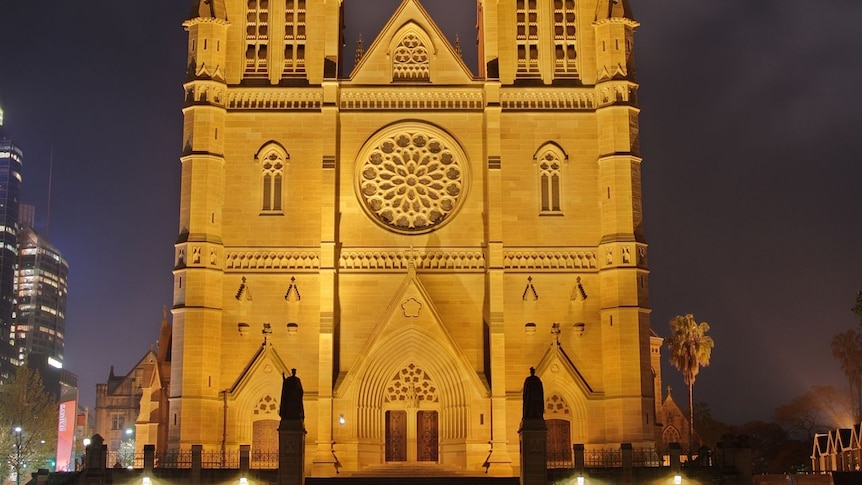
[(291, 452), (534, 463)]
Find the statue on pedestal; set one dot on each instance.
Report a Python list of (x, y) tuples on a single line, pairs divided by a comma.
[(291, 397), (533, 396)]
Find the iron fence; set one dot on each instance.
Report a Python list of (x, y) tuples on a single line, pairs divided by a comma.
[(646, 457), (560, 459), (603, 458)]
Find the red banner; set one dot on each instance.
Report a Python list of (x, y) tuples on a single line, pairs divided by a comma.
[(66, 435)]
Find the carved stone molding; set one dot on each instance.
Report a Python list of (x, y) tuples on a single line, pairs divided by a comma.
[(460, 259), (552, 259), (519, 99), (241, 98), (418, 99), (272, 259)]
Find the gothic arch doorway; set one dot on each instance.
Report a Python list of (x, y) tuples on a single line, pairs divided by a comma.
[(411, 408)]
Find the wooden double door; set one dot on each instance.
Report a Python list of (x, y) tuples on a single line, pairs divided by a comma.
[(412, 436)]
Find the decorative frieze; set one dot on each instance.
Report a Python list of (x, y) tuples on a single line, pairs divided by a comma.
[(273, 259), (444, 259), (411, 99), (521, 99), (269, 98), (461, 259), (550, 259)]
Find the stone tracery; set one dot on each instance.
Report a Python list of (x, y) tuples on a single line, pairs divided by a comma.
[(411, 181)]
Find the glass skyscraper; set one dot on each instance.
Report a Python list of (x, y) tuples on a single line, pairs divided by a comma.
[(40, 286), (11, 159)]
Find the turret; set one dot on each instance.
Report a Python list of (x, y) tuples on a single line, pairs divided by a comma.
[(622, 250), (198, 270)]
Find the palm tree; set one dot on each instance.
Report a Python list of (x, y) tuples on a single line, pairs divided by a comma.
[(847, 350), (690, 348)]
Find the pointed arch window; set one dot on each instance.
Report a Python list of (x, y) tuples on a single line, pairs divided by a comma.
[(272, 160), (565, 52), (527, 37), (294, 38), (257, 38), (410, 59), (549, 161)]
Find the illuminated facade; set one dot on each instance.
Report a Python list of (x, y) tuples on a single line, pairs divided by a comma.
[(11, 160), (411, 237), (41, 289)]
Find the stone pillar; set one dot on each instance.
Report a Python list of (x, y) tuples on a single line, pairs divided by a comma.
[(534, 462), (580, 459), (197, 451), (244, 460), (149, 460), (291, 452), (628, 462), (675, 451), (95, 462)]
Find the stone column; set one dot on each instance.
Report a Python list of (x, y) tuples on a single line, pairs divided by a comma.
[(291, 452)]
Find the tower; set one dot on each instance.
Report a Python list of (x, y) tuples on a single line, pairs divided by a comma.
[(41, 280), (11, 162), (409, 236)]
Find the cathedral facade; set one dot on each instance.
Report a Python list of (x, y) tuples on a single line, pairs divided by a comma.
[(411, 237)]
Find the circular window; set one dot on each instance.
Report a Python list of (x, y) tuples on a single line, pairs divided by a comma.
[(411, 178)]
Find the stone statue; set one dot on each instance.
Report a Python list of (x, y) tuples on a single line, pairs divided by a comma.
[(291, 397), (534, 397)]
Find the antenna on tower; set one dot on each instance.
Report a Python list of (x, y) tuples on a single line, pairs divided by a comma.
[(50, 181)]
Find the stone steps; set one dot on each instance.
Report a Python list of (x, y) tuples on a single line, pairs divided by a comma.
[(412, 474), (448, 480)]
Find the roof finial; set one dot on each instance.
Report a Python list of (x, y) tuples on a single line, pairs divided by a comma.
[(458, 45)]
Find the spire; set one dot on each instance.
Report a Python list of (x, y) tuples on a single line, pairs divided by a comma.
[(359, 50), (208, 9)]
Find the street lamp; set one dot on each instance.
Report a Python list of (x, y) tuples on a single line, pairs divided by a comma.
[(18, 438)]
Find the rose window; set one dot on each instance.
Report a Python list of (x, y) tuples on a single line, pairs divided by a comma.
[(411, 181)]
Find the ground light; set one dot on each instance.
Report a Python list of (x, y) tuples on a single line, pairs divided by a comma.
[(677, 479), (580, 480), (146, 481), (243, 481)]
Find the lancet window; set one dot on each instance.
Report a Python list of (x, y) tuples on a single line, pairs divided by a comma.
[(410, 60), (257, 38), (272, 160), (527, 15), (564, 39), (550, 161), (294, 37)]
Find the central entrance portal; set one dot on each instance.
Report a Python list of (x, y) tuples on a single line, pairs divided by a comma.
[(403, 444)]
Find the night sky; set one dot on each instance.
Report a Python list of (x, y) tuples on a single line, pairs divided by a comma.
[(750, 128)]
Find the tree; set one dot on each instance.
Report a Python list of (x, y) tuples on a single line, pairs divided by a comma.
[(772, 450), (24, 404), (857, 308), (690, 348), (709, 429), (818, 409), (847, 350)]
